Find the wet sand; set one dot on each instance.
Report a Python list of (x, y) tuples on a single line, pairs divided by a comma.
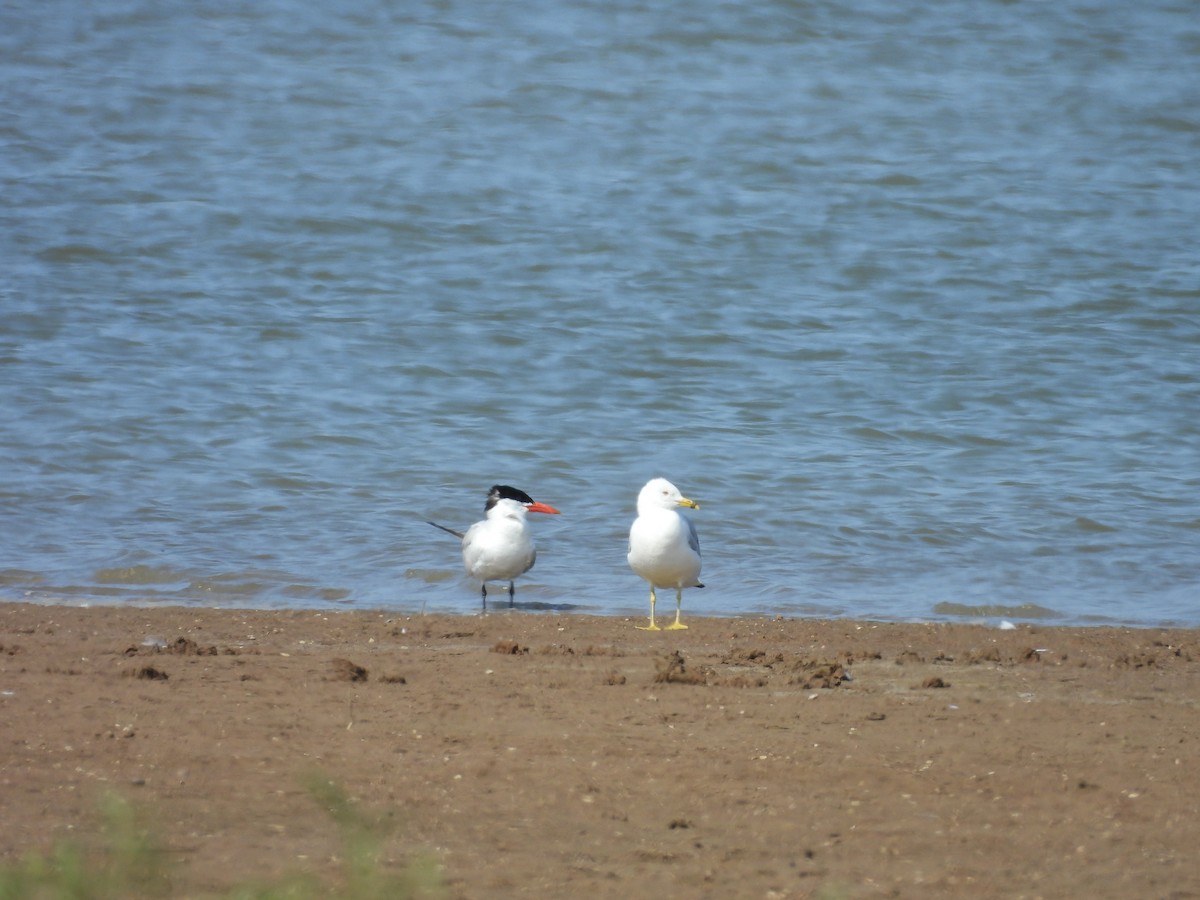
[(547, 755)]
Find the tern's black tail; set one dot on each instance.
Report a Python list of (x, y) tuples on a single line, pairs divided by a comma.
[(457, 534)]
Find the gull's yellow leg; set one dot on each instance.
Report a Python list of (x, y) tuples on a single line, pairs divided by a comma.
[(676, 625), (651, 626)]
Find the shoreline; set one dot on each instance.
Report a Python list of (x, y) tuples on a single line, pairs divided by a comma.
[(991, 616), (556, 753)]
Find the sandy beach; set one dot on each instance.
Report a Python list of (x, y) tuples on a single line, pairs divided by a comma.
[(550, 755)]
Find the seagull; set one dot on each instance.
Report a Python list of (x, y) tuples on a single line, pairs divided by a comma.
[(663, 546), (500, 547)]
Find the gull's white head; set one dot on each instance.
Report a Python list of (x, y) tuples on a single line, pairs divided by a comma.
[(661, 494)]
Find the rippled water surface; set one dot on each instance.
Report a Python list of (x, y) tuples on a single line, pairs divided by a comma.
[(907, 296)]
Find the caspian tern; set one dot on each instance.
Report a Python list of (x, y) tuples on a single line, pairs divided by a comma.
[(500, 547), (663, 546)]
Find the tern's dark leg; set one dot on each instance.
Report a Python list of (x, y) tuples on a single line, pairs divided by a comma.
[(511, 593)]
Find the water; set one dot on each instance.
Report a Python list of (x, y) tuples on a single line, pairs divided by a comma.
[(905, 295)]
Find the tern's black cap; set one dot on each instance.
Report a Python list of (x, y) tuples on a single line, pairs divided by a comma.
[(505, 492)]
